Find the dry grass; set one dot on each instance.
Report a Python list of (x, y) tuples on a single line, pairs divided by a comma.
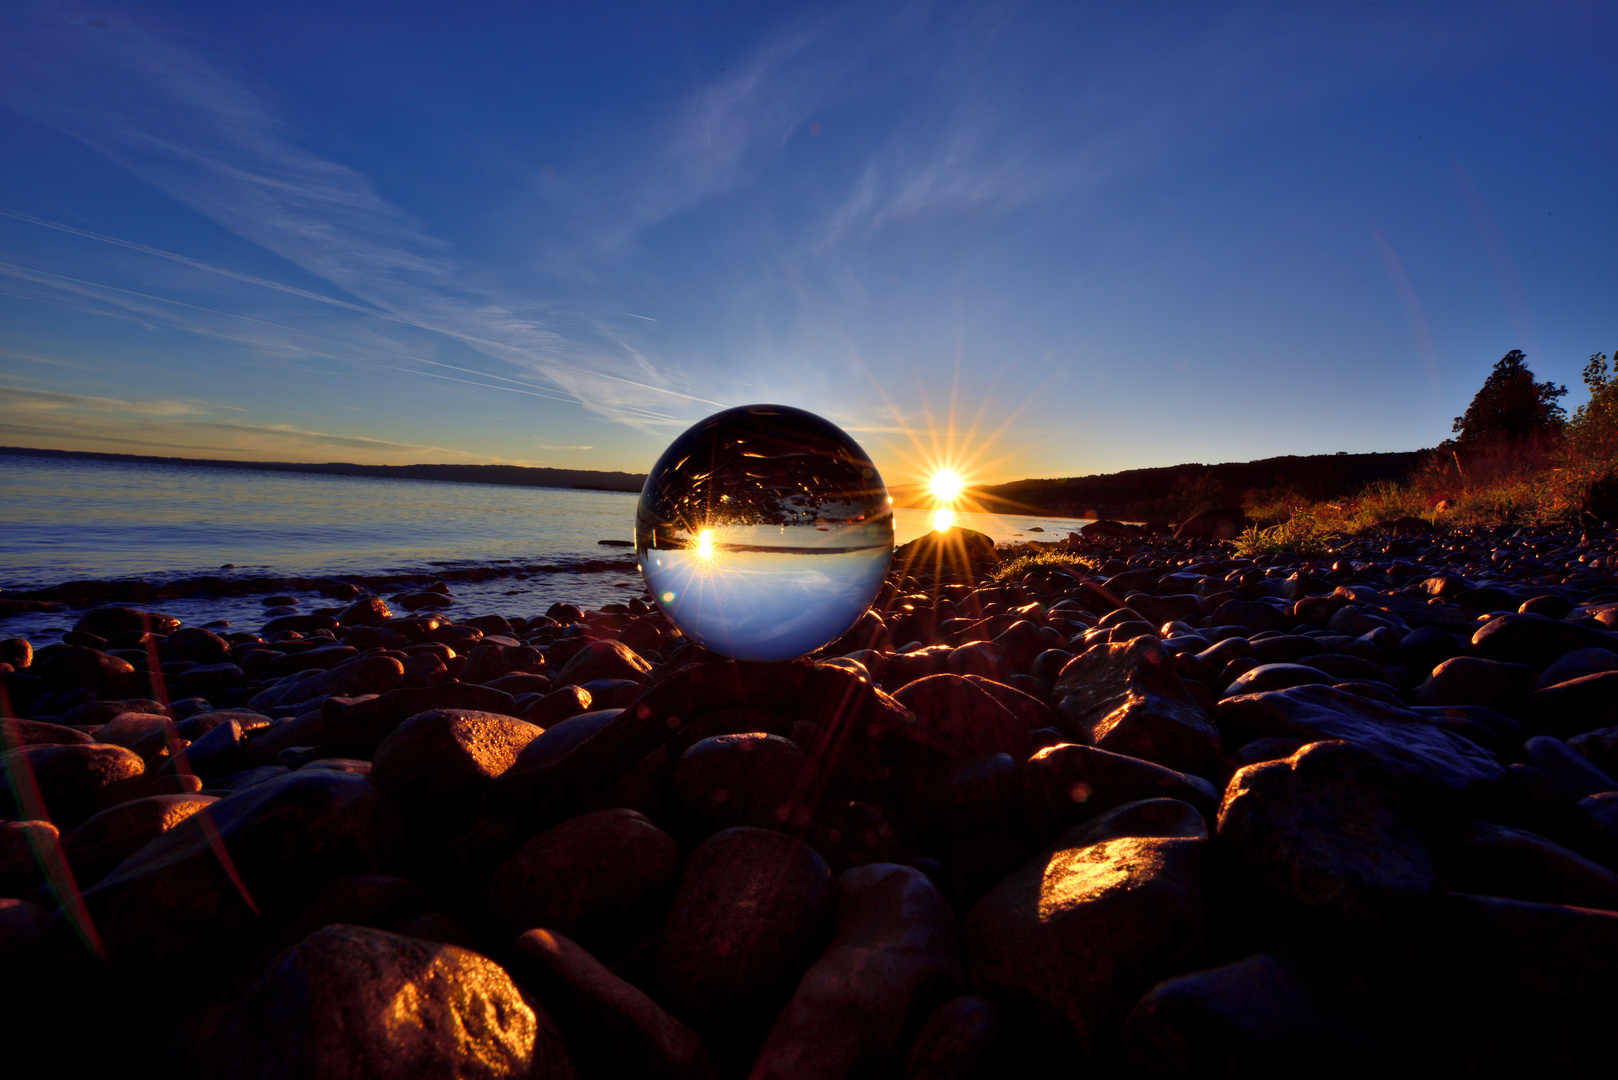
[(1012, 569), (1537, 484)]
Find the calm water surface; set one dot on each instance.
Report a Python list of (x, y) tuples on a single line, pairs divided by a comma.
[(64, 519)]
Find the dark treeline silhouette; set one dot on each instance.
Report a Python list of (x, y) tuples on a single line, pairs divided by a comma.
[(513, 475), (1177, 490)]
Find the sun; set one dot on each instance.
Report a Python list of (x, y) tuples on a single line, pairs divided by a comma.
[(946, 485), (705, 545)]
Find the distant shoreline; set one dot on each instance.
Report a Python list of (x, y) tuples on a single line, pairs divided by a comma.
[(507, 475)]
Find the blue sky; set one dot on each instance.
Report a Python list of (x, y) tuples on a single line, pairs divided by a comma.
[(1098, 236)]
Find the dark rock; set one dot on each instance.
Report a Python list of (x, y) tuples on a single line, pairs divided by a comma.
[(1471, 680), (1496, 861), (110, 620), (1129, 699), (1065, 785), (611, 1027), (1077, 935), (196, 643), (102, 674), (745, 779), (352, 1001), (1264, 677), (365, 675), (966, 1038), (744, 927), (26, 850), (1440, 766), (365, 611), (177, 899), (66, 783), (962, 715), (603, 660), (358, 727), (603, 878), (17, 652), (894, 956), (1427, 646), (103, 841), (15, 734), (556, 706), (1329, 839), (1254, 615), (1530, 987), (1574, 707), (1223, 524), (1535, 640), (436, 765), (1600, 747), (955, 554), (1257, 1017), (521, 683), (1578, 663), (1573, 773), (302, 624)]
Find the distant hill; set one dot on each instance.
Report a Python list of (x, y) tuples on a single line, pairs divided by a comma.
[(514, 475), (1132, 495), (1173, 491)]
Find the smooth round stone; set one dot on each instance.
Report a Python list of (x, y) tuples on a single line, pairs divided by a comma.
[(764, 532)]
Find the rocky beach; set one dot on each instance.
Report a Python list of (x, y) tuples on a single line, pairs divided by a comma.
[(1124, 805)]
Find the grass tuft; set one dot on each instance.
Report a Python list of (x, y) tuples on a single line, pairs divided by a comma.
[(1013, 569)]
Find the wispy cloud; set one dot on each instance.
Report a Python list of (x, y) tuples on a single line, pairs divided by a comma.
[(22, 399), (202, 136)]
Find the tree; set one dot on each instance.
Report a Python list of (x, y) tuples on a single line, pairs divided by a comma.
[(1594, 427), (1511, 405)]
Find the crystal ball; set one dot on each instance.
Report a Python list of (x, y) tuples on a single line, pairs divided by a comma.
[(764, 532)]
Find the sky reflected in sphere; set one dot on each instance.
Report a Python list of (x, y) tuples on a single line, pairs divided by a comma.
[(764, 532)]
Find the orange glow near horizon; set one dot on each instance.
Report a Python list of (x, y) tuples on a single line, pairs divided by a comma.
[(943, 460)]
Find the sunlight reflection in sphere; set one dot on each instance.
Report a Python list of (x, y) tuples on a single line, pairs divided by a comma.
[(764, 532)]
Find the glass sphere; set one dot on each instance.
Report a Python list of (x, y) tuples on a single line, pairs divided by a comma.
[(764, 532)]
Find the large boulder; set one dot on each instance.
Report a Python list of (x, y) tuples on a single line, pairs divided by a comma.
[(611, 1027), (350, 1002), (107, 839), (1069, 783), (1330, 840), (960, 713), (1075, 937), (66, 783), (603, 660), (436, 765), (1439, 765), (1127, 697), (894, 956), (602, 878), (744, 927), (213, 879), (1257, 1017)]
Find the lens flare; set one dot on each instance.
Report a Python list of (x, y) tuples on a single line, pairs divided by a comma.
[(946, 485), (943, 518)]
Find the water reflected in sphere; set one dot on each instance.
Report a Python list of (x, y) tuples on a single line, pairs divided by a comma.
[(764, 532)]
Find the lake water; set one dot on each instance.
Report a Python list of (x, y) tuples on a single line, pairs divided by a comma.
[(66, 519)]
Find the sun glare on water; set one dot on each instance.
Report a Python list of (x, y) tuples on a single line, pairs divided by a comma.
[(943, 518)]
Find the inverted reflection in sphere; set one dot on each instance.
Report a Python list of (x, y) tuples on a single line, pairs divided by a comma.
[(764, 532)]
